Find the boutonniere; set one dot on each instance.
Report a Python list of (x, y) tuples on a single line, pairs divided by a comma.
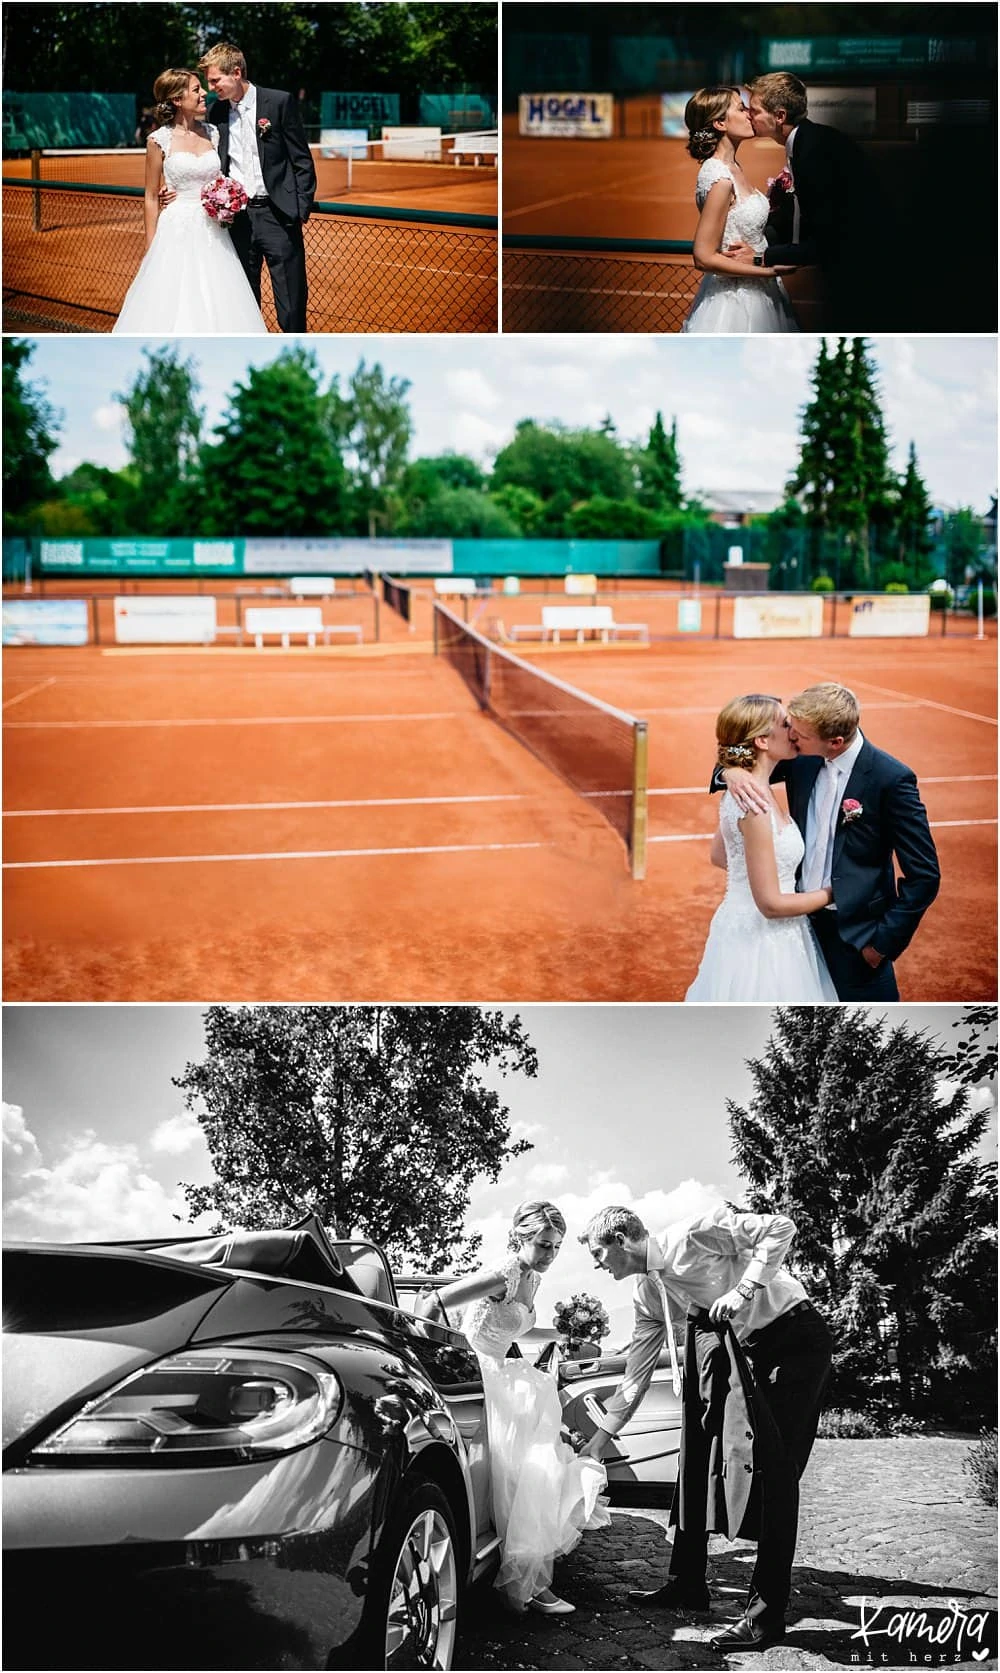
[(779, 186), (263, 126), (851, 810)]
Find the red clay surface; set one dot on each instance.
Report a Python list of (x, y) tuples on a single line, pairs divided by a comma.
[(362, 272), (346, 825)]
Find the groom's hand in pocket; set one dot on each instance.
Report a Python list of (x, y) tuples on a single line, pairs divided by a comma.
[(872, 956)]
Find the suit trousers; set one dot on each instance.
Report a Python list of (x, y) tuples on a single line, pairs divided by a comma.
[(791, 1365), (852, 977), (262, 233)]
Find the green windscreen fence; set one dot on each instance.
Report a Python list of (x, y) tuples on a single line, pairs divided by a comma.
[(545, 64), (48, 120), (458, 111)]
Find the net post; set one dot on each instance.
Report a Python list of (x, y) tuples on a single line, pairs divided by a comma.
[(434, 617), (640, 802), (36, 197)]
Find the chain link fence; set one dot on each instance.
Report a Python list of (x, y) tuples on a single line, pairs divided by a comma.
[(596, 284), (71, 250)]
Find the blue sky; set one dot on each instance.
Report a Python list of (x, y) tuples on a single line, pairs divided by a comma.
[(737, 400), (628, 1106)]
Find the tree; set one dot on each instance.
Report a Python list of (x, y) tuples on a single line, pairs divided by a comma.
[(30, 428), (458, 513), (965, 559), (974, 1060), (659, 465), (372, 426), (276, 469), (377, 1118), (854, 1131), (164, 437), (552, 461), (600, 518), (912, 520)]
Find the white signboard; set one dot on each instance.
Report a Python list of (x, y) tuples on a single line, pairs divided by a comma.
[(412, 144), (890, 616), (446, 584), (214, 554), (689, 615), (312, 586), (45, 621), (344, 142), (777, 616), (567, 115), (290, 555), (851, 109), (672, 108), (164, 620), (580, 586)]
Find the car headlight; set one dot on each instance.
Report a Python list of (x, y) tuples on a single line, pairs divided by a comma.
[(207, 1405)]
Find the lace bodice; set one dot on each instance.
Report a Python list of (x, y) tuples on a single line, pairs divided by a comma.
[(492, 1325), (788, 851), (747, 216), (184, 171)]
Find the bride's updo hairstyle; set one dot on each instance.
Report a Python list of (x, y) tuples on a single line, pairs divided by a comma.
[(171, 85), (742, 720), (530, 1218), (703, 108)]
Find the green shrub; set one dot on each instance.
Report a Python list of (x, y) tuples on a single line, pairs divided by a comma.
[(989, 602), (823, 584), (980, 1463), (896, 587), (849, 1426)]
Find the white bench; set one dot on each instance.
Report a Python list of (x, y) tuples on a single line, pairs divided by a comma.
[(312, 586), (451, 585), (476, 146), (301, 620), (578, 619)]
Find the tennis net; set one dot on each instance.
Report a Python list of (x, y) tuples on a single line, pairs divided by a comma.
[(600, 751)]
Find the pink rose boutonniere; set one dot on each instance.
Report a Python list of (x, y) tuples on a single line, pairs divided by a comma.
[(263, 126), (779, 186), (851, 810)]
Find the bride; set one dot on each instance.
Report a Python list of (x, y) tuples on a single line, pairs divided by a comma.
[(735, 295), (191, 279), (760, 945), (544, 1496)]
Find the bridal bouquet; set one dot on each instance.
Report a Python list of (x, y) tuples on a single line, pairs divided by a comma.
[(580, 1322), (223, 199)]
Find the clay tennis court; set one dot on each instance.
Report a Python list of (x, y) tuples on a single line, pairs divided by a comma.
[(73, 270), (346, 823)]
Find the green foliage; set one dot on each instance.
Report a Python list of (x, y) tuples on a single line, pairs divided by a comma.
[(525, 508), (163, 424), (895, 587), (371, 426), (963, 540), (659, 469), (855, 1131), (30, 427), (823, 584), (563, 466), (600, 518), (375, 1118), (276, 468), (458, 513), (848, 1425), (981, 1464)]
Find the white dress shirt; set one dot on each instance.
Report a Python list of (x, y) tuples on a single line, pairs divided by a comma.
[(244, 160), (693, 1263), (822, 815)]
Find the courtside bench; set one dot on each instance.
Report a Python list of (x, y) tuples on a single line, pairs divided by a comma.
[(297, 621), (480, 147), (580, 619)]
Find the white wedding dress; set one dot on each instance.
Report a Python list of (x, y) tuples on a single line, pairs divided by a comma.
[(191, 281), (544, 1495), (738, 305), (749, 957)]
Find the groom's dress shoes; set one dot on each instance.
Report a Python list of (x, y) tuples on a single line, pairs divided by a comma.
[(673, 1595), (748, 1634)]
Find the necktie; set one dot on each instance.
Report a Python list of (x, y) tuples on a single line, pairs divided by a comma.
[(674, 1367), (825, 793)]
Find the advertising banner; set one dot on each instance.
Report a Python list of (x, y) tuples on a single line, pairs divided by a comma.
[(278, 555), (580, 586), (867, 52), (777, 616), (455, 111), (567, 115), (344, 142), (162, 620), (851, 109), (412, 145), (672, 108), (358, 110), (45, 621), (890, 615), (689, 615)]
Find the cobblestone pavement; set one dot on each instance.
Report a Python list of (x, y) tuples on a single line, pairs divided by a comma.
[(892, 1523)]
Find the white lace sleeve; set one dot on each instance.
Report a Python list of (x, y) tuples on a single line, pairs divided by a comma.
[(474, 1316), (710, 172), (162, 136)]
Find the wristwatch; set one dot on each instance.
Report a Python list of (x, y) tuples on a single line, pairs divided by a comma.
[(758, 261)]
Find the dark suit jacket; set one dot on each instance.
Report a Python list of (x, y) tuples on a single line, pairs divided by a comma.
[(285, 159), (872, 908), (845, 228), (720, 1436)]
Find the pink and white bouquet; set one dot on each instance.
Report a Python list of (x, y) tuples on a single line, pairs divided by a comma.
[(580, 1319), (223, 199)]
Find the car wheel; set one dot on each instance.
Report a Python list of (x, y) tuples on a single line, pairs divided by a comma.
[(411, 1616)]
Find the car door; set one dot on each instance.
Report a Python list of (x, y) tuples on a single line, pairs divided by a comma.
[(646, 1451)]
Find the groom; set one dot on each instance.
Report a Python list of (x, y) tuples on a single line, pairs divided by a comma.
[(756, 1365), (835, 217), (856, 808), (262, 144)]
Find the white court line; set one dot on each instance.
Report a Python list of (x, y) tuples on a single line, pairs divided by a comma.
[(30, 691), (383, 801), (587, 192), (279, 854), (234, 720), (924, 702), (935, 825)]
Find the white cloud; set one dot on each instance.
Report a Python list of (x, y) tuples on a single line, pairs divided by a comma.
[(108, 416), (547, 1175), (176, 1135), (470, 433), (472, 388), (93, 1190), (16, 1137)]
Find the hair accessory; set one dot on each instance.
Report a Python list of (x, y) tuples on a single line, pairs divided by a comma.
[(704, 134)]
